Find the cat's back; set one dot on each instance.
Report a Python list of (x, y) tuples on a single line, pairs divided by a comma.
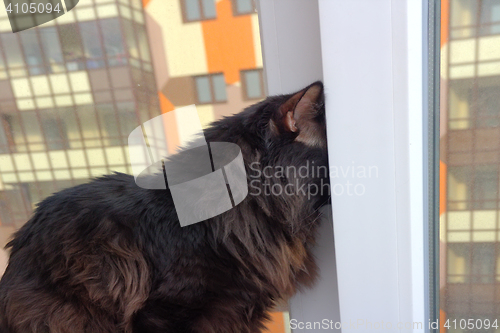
[(80, 209), (80, 253)]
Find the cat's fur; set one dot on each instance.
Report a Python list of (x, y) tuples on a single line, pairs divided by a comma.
[(109, 256)]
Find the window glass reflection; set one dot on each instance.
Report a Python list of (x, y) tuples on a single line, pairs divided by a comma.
[(51, 48), (71, 47), (32, 52), (12, 49), (113, 42), (470, 161), (92, 44)]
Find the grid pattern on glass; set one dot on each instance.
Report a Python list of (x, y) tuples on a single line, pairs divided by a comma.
[(69, 98), (252, 84), (198, 10), (474, 102), (474, 17), (470, 149), (210, 89)]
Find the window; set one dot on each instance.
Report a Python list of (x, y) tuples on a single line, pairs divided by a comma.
[(143, 42), (51, 48), (210, 89), (12, 50), (71, 47), (465, 14), (6, 136), (474, 185), (113, 42), (474, 103), (128, 28), (490, 17), (92, 44), (54, 130), (242, 7), (32, 52), (252, 84), (108, 122), (197, 10)]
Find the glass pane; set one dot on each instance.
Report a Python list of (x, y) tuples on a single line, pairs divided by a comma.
[(51, 47), (219, 84), (92, 44), (490, 11), (71, 44), (209, 8), (253, 84), (10, 45), (4, 132), (244, 6), (128, 118), (143, 42), (203, 89), (130, 37), (192, 10), (470, 163), (463, 12), (31, 126), (69, 121), (108, 123), (32, 52), (88, 122), (113, 42), (54, 130)]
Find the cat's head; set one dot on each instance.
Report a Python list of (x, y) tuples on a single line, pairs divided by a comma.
[(277, 121), (298, 117), (283, 140)]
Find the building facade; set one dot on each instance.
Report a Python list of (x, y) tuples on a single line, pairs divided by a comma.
[(470, 161), (71, 90)]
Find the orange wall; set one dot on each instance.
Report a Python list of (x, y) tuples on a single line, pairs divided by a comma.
[(229, 42), (445, 20)]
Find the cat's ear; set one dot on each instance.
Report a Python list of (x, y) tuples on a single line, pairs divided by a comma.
[(301, 106)]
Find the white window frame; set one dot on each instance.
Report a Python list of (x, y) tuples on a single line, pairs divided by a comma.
[(371, 55)]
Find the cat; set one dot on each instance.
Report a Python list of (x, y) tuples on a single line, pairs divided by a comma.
[(109, 256)]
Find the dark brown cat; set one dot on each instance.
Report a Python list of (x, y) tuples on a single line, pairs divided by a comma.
[(109, 256)]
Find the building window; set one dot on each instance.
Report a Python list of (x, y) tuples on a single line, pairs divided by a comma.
[(52, 49), (471, 17), (474, 103), (32, 52), (252, 84), (210, 89), (92, 44), (7, 143), (198, 10), (12, 49), (473, 187), (113, 42), (71, 43), (474, 263), (242, 7), (55, 131)]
